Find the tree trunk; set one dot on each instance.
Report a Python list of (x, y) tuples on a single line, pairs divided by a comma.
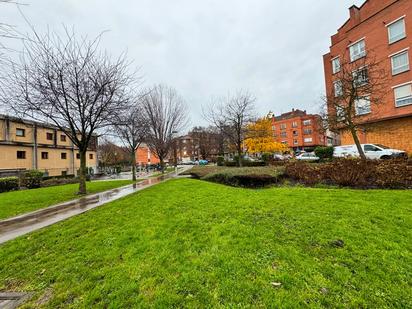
[(239, 154), (82, 172), (162, 164), (357, 143), (134, 165)]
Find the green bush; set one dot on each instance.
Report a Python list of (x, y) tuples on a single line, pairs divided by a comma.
[(31, 179), (220, 161), (267, 158), (9, 184), (245, 163), (324, 153)]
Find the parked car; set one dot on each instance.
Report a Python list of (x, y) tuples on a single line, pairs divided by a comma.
[(372, 151), (203, 162), (307, 156)]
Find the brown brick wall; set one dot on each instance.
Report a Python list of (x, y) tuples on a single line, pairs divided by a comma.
[(395, 133)]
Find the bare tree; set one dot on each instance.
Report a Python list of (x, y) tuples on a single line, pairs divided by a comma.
[(166, 114), (131, 127), (110, 154), (69, 83), (359, 87), (231, 115), (206, 141)]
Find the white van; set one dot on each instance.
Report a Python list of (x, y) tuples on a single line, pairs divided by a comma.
[(372, 151)]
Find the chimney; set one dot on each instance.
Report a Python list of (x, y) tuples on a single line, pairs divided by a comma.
[(354, 14)]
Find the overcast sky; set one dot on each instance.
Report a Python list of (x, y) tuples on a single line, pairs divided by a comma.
[(209, 48)]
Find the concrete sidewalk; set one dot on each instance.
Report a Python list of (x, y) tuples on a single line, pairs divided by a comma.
[(17, 226)]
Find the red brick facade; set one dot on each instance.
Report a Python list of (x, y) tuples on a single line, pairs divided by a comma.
[(372, 23), (145, 156), (298, 130)]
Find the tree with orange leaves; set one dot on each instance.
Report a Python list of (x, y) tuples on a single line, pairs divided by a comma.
[(259, 138)]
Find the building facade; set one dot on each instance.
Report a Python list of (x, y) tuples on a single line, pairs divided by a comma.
[(26, 145), (383, 29), (145, 157), (299, 130)]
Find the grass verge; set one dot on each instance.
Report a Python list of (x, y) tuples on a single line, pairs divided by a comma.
[(187, 243), (18, 202)]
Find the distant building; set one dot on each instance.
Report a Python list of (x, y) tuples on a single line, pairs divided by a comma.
[(26, 145), (383, 27), (299, 130), (144, 156)]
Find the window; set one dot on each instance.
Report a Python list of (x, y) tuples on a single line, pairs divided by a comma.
[(49, 136), (63, 155), (90, 156), (20, 132), (273, 128), (62, 138), (357, 50), (371, 148), (294, 124), (396, 31), (363, 106), (64, 173), (307, 131), (308, 140), (44, 155), (21, 154), (283, 126), (307, 122), (403, 95), (400, 63), (295, 133), (340, 113), (360, 77), (78, 156), (337, 87), (295, 141), (335, 65), (284, 142), (283, 134)]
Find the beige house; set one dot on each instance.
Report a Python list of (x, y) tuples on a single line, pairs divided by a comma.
[(26, 145)]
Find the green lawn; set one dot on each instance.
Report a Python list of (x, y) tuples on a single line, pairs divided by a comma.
[(19, 202), (188, 243)]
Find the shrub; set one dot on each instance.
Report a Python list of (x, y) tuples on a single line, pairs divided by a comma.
[(245, 163), (58, 181), (267, 158), (9, 184), (356, 173), (324, 153), (220, 161), (31, 179)]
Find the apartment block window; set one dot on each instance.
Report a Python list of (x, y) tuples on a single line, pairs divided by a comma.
[(307, 140), (396, 31), (357, 50), (335, 65), (273, 128), (307, 131), (283, 126), (78, 156), (284, 142), (362, 106), (90, 156), (44, 155), (283, 134), (360, 77), (62, 138), (295, 141), (20, 132), (400, 63), (337, 87), (294, 124), (307, 122), (295, 133), (63, 155), (21, 154), (403, 95), (49, 136)]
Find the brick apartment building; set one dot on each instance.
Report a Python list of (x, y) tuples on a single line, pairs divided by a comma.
[(26, 145), (297, 129), (144, 156), (384, 28)]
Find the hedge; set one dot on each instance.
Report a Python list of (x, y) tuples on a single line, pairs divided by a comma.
[(9, 184)]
